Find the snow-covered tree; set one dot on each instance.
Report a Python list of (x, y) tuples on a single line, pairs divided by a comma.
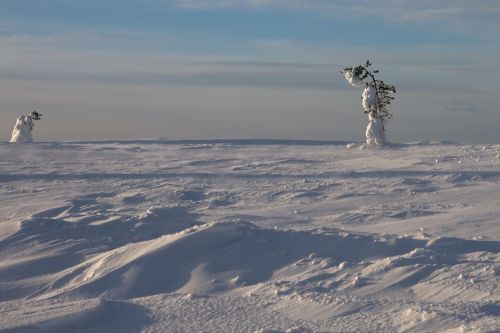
[(23, 127), (375, 100)]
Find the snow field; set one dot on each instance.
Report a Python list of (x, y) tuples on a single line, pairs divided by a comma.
[(249, 236)]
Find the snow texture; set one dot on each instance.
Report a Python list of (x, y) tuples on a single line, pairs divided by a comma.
[(22, 129), (249, 236)]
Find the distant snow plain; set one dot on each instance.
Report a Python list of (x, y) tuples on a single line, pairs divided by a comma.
[(249, 236)]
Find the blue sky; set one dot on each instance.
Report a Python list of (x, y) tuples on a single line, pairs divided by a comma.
[(256, 68)]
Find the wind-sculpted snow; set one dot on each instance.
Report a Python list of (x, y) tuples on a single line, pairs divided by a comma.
[(249, 236)]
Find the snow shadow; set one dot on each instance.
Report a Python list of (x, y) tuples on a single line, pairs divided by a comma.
[(107, 316)]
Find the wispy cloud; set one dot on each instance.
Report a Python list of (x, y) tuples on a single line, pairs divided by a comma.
[(468, 107), (74, 38), (65, 58), (391, 9), (32, 58)]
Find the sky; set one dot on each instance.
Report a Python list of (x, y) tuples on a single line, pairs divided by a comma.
[(270, 69)]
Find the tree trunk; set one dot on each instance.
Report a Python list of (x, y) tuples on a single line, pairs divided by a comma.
[(375, 132)]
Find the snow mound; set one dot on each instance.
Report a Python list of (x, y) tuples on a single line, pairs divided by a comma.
[(231, 257)]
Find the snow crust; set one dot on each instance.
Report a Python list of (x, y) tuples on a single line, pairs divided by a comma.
[(249, 236)]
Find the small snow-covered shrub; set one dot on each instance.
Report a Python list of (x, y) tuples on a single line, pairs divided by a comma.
[(23, 127)]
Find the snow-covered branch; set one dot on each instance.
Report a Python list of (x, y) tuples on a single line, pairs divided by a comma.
[(377, 95)]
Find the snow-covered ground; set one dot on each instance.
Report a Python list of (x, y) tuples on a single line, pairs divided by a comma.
[(249, 236)]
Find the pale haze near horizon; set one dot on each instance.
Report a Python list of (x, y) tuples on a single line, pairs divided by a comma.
[(246, 69)]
